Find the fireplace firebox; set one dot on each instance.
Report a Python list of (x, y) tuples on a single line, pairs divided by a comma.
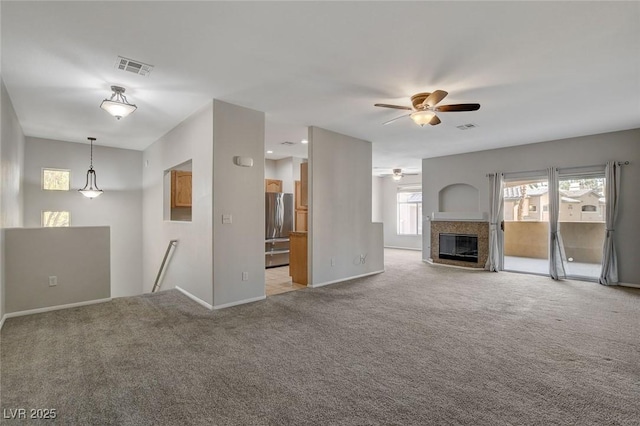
[(461, 247)]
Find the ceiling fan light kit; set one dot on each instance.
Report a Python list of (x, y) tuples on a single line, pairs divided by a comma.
[(397, 174), (422, 117), (423, 108), (118, 106)]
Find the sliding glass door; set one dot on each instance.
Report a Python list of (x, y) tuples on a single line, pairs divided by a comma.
[(526, 224), (582, 224)]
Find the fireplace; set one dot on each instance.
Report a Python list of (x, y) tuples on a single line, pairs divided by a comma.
[(465, 228), (461, 247)]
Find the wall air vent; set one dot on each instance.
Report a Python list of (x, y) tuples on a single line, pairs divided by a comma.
[(135, 67), (287, 143), (467, 126)]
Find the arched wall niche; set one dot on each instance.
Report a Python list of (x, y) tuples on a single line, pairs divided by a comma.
[(459, 197)]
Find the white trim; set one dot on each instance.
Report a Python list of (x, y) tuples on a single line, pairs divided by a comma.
[(629, 285), (404, 248), (459, 217), (53, 308), (468, 268), (4, 317), (239, 302), (346, 279), (194, 298)]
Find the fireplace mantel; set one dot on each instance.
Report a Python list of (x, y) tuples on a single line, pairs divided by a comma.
[(459, 216)]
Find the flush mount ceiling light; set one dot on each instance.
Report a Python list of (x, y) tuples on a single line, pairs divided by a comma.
[(397, 174), (118, 105), (91, 189)]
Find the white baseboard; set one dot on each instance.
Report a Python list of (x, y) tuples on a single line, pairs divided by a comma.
[(194, 298), (404, 248), (239, 302), (468, 268), (51, 308), (346, 279), (629, 285), (2, 321)]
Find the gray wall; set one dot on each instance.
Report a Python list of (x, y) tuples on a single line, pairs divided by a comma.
[(239, 191), (119, 175), (390, 214), (190, 267), (11, 187), (340, 209), (286, 169), (376, 199), (78, 257), (471, 169)]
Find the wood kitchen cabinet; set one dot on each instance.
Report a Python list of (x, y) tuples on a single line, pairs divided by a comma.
[(272, 185), (301, 211), (298, 257), (180, 188), (304, 184)]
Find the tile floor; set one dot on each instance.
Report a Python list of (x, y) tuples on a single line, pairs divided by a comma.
[(278, 281), (541, 266)]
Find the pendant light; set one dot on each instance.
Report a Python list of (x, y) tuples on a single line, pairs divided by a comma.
[(91, 189), (118, 106)]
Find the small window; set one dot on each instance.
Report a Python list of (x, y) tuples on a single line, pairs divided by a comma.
[(589, 208), (55, 179), (55, 219), (533, 208), (545, 208), (409, 205)]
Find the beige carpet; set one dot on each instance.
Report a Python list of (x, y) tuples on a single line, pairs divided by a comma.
[(417, 345)]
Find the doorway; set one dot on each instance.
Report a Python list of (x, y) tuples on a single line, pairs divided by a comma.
[(582, 224), (526, 225)]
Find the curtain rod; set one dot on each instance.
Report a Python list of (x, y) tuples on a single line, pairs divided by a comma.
[(620, 163)]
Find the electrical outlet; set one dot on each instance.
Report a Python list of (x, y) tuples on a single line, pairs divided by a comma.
[(245, 276), (53, 281)]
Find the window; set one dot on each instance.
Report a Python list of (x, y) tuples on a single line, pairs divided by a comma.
[(55, 179), (589, 208), (55, 219), (533, 208), (410, 210)]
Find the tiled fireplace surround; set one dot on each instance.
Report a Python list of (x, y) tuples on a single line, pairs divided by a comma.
[(480, 228)]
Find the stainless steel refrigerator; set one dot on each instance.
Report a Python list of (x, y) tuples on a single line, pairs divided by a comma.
[(278, 225)]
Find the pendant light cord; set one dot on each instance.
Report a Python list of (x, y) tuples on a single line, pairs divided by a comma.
[(91, 154)]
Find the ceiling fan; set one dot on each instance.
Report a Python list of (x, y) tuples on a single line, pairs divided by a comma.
[(423, 109), (397, 174)]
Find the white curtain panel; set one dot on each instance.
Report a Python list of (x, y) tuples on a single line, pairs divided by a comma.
[(496, 204), (609, 273), (556, 266)]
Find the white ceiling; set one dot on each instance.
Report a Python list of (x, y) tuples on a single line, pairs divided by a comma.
[(540, 70)]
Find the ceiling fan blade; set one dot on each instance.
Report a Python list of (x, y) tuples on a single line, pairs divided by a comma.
[(434, 98), (435, 120), (394, 119), (458, 107), (394, 106)]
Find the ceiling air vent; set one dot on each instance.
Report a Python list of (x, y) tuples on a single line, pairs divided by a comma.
[(135, 67), (467, 126), (287, 143)]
